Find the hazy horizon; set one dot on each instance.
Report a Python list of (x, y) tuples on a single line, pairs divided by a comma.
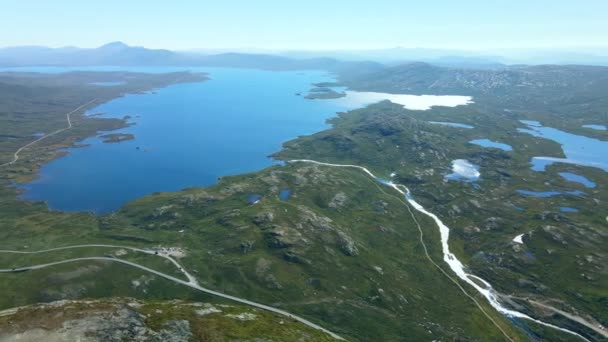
[(584, 48), (474, 25)]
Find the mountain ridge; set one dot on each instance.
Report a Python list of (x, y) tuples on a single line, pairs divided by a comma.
[(120, 54)]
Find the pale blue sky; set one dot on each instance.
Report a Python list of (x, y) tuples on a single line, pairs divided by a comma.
[(306, 24)]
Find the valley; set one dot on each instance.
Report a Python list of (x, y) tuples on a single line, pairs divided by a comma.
[(341, 250)]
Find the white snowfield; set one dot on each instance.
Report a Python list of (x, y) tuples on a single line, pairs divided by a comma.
[(465, 169), (519, 239), (359, 99)]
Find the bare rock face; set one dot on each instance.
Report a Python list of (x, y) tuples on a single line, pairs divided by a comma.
[(324, 226), (126, 319), (160, 211), (128, 325), (246, 246), (492, 223), (311, 220), (347, 245), (282, 237), (201, 197), (338, 200), (550, 216), (263, 218), (115, 323), (174, 331)]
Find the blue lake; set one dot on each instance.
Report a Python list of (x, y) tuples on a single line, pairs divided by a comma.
[(254, 198), (284, 194), (546, 194), (185, 135), (579, 149), (573, 177), (491, 144)]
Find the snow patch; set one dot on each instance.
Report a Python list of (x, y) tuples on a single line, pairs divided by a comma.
[(463, 169), (379, 269), (518, 239), (245, 316), (209, 309), (413, 102)]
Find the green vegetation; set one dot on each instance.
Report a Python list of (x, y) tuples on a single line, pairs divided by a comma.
[(342, 251), (117, 137), (35, 104), (128, 319), (298, 254), (560, 96), (387, 138), (323, 93)]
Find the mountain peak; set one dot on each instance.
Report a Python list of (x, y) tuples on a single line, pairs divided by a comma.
[(114, 45)]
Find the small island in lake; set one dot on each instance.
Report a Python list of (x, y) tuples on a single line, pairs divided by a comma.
[(117, 137), (324, 93)]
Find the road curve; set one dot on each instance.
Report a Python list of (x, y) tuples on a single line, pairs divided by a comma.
[(155, 252), (595, 327), (178, 281), (455, 265), (69, 120)]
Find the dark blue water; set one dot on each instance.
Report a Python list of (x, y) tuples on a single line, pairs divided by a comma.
[(284, 194), (254, 198), (568, 210), (545, 194), (573, 177), (491, 144), (529, 255), (186, 135), (579, 149)]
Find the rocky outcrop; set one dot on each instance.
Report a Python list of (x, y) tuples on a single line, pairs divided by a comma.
[(124, 319), (114, 323), (338, 200), (347, 245)]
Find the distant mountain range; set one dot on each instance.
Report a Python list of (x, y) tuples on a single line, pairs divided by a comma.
[(121, 54), (454, 58), (116, 53), (465, 58)]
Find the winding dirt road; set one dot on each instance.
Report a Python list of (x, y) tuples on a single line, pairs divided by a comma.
[(158, 252), (449, 258), (192, 283), (69, 120)]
